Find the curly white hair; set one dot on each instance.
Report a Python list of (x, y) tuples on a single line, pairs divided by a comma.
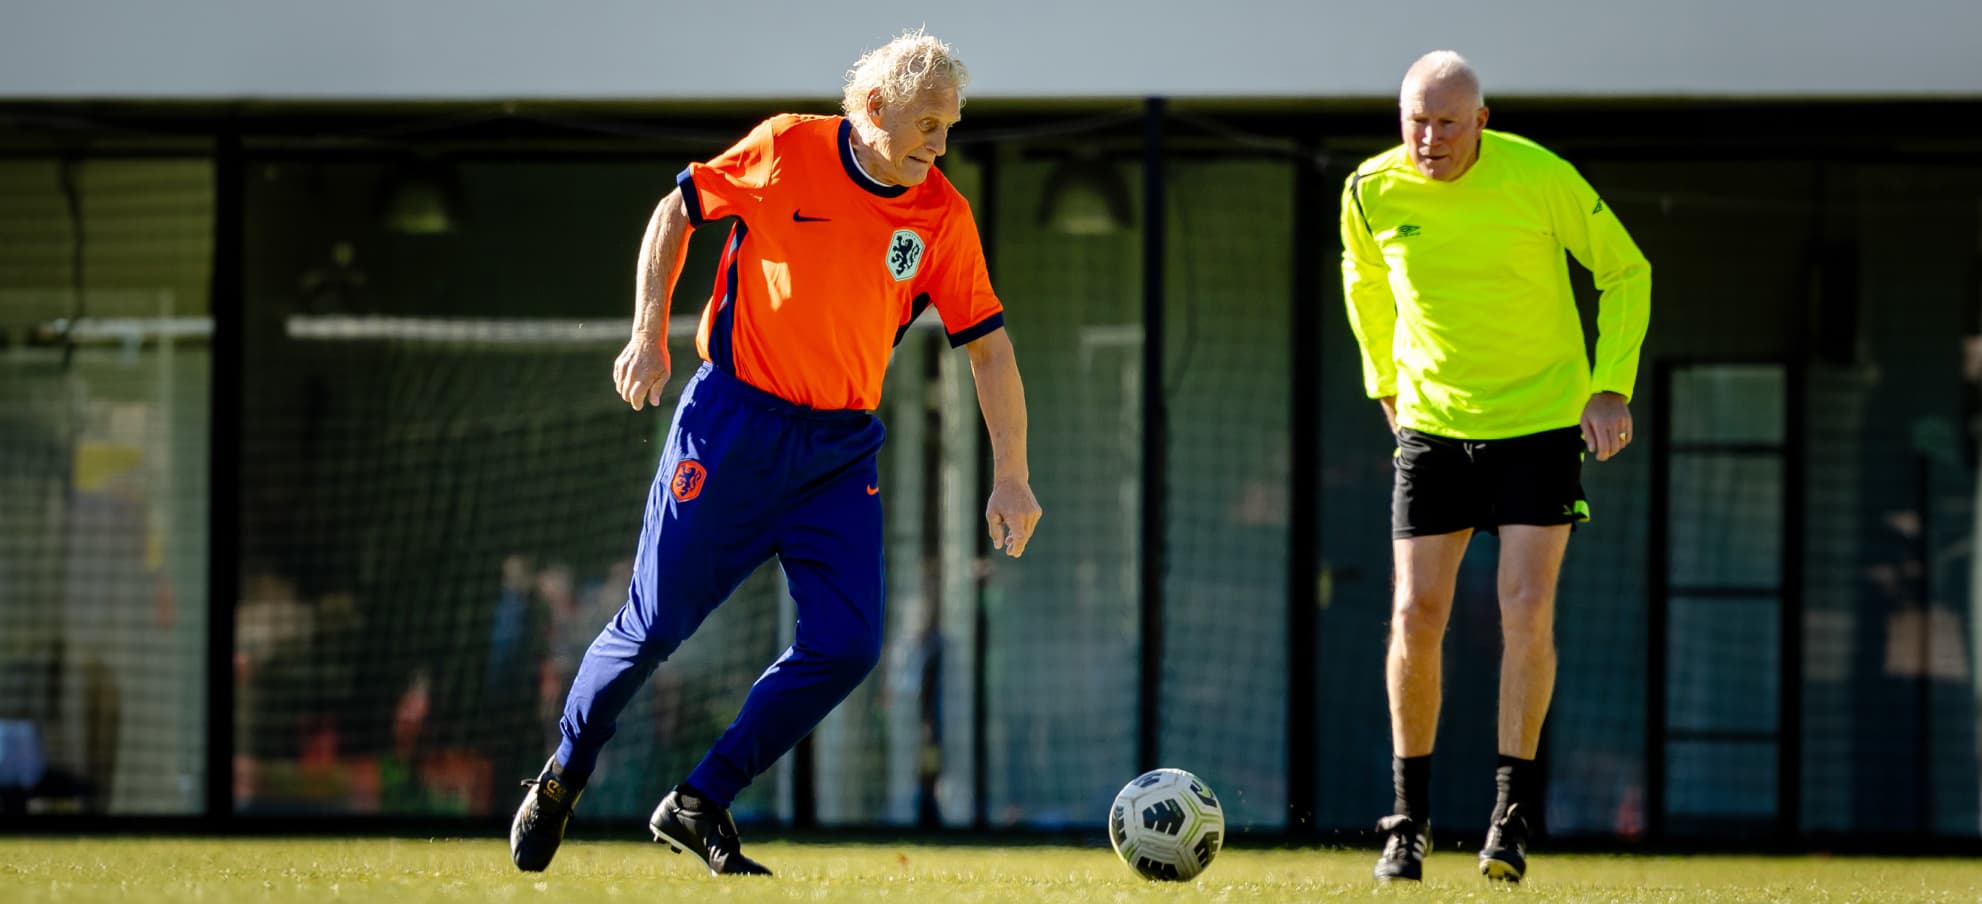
[(900, 69)]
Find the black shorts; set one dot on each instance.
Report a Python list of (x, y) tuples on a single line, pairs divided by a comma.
[(1446, 485)]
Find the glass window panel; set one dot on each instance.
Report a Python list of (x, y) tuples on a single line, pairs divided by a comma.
[(104, 427), (1225, 608), (1720, 779), (1726, 521), (1064, 633), (1724, 670), (1728, 404)]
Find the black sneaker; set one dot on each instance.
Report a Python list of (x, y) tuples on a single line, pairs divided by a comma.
[(1404, 850), (540, 821), (1505, 856), (686, 822)]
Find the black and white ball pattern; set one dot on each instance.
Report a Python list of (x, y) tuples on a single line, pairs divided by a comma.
[(1166, 824)]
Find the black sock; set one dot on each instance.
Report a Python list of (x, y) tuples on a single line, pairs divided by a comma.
[(1514, 780), (1410, 778), (571, 780), (694, 800)]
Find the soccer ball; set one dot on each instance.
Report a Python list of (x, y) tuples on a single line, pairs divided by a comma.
[(1166, 825)]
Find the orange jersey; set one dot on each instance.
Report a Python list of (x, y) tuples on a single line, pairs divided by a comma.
[(825, 268)]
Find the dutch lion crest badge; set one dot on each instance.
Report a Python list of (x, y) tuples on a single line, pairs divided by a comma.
[(904, 254)]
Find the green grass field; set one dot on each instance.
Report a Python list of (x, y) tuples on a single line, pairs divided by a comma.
[(415, 871)]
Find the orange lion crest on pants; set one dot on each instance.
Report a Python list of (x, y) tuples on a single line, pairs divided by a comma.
[(689, 476)]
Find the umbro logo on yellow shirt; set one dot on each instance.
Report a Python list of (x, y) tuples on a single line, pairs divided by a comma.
[(1597, 209), (1406, 231)]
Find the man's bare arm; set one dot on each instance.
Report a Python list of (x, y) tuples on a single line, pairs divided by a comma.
[(1012, 511), (642, 369)]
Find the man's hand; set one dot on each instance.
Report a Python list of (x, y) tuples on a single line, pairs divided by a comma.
[(1606, 425), (642, 370), (1389, 404), (1011, 515)]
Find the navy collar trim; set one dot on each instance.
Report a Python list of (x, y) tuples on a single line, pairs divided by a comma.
[(853, 170)]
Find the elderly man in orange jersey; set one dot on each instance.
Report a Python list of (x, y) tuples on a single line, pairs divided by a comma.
[(845, 232)]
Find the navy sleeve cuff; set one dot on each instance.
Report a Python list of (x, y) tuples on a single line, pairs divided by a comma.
[(983, 328), (686, 181)]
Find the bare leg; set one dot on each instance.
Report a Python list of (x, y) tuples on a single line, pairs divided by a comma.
[(1427, 575), (1530, 562)]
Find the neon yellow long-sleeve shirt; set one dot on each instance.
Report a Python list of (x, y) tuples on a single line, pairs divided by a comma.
[(1458, 292)]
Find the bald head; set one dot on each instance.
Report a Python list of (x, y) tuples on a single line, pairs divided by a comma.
[(1443, 70), (1442, 115)]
